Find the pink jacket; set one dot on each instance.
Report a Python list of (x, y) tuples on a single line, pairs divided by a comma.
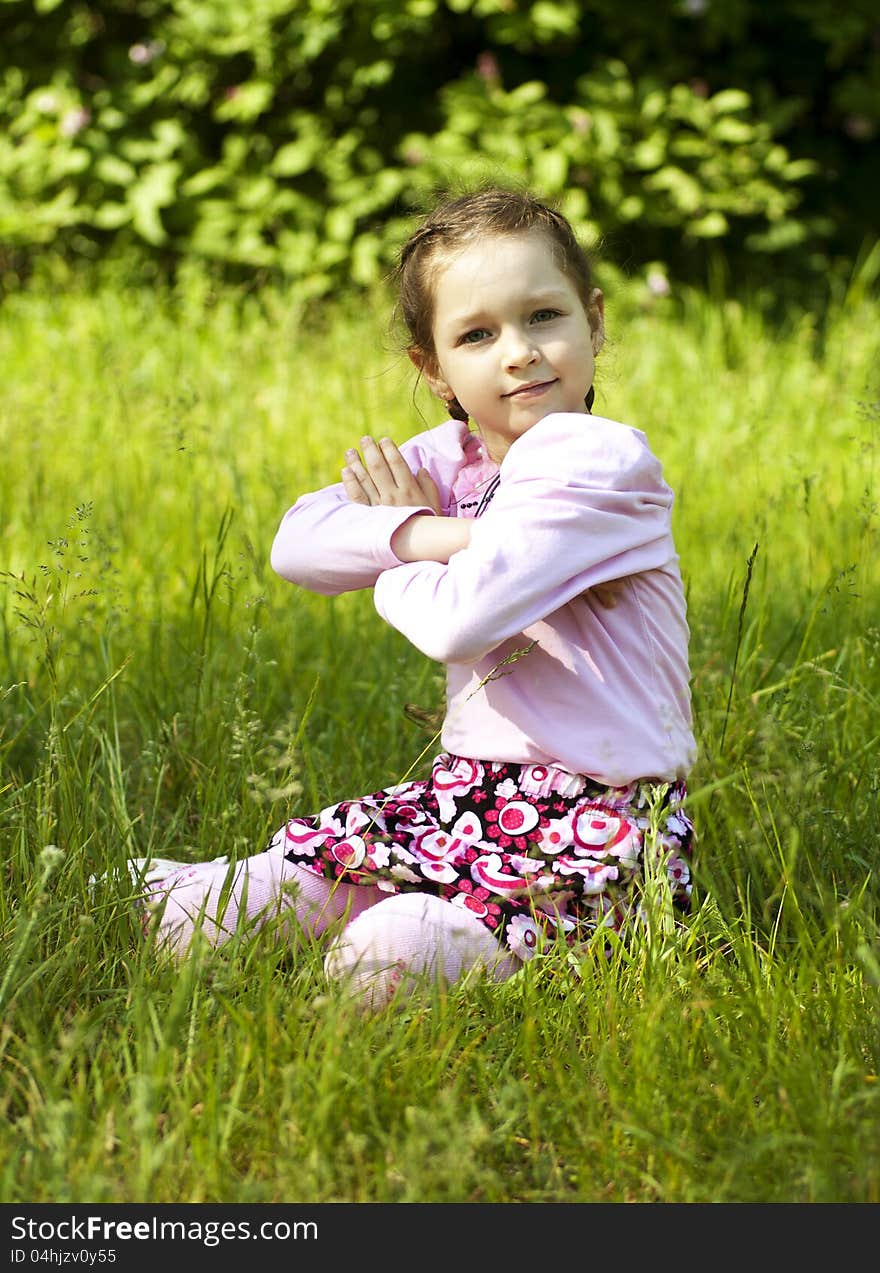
[(578, 500)]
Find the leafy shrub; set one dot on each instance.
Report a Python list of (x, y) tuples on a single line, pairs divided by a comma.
[(299, 136)]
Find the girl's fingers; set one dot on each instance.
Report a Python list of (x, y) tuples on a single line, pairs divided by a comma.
[(373, 472), (390, 472), (382, 466), (429, 489), (353, 488), (607, 594), (363, 478), (384, 477), (395, 462)]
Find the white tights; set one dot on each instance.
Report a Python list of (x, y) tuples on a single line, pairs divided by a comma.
[(386, 944)]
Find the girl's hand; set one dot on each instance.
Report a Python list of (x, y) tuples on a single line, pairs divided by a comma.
[(384, 477)]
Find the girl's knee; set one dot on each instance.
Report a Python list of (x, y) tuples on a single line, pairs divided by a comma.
[(411, 936)]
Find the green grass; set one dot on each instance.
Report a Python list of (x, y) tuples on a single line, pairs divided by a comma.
[(164, 693)]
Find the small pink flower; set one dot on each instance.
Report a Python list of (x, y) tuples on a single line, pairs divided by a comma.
[(657, 283), (74, 121), (488, 68), (144, 53)]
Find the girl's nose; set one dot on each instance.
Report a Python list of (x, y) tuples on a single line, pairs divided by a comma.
[(519, 350)]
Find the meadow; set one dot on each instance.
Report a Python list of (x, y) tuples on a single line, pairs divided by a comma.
[(163, 693)]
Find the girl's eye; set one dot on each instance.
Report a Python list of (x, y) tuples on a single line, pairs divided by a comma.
[(544, 315), (474, 337)]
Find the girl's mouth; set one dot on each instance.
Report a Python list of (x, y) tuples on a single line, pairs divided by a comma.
[(533, 390)]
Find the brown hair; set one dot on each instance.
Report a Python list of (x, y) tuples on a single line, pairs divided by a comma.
[(460, 221)]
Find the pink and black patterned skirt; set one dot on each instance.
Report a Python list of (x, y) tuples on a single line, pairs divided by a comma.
[(532, 851)]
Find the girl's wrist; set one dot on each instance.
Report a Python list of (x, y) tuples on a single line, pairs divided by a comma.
[(424, 537)]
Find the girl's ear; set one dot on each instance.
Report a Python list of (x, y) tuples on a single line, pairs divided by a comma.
[(596, 315), (427, 368)]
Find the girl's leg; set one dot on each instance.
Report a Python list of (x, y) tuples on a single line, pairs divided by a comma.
[(214, 898), (384, 949)]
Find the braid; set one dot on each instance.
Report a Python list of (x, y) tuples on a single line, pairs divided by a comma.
[(456, 410)]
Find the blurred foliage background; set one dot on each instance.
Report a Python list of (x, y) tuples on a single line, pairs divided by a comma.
[(298, 138)]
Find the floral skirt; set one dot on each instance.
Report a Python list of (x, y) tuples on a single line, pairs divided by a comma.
[(532, 851)]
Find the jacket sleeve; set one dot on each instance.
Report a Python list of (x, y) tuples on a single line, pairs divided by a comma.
[(581, 501), (329, 545)]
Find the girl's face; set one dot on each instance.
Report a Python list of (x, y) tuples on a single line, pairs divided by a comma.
[(512, 339)]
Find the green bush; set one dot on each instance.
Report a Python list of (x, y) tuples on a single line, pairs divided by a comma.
[(299, 136)]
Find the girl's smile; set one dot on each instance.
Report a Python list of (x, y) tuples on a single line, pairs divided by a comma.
[(513, 340), (533, 390)]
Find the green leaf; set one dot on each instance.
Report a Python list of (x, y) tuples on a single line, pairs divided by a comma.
[(110, 216), (339, 225), (650, 152), (550, 170), (730, 99), (528, 94), (201, 182), (245, 101), (735, 131), (711, 226), (679, 185), (294, 157), (155, 190), (115, 171), (631, 208)]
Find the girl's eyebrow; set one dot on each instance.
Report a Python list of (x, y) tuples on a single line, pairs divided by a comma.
[(538, 300)]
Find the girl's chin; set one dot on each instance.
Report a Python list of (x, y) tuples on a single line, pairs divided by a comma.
[(530, 412)]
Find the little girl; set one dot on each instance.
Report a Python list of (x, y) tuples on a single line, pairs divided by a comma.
[(489, 542)]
